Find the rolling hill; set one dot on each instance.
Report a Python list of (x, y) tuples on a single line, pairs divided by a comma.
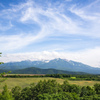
[(34, 70)]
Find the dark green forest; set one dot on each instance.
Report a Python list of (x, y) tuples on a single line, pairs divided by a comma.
[(51, 90)]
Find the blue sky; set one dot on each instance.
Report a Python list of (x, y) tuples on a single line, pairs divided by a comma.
[(48, 29)]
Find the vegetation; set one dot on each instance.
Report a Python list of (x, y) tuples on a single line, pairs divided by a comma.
[(78, 77), (25, 82), (3, 73), (51, 90), (34, 70), (0, 56)]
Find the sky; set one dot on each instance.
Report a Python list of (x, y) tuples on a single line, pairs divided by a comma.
[(49, 29)]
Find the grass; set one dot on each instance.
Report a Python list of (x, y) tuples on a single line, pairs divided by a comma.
[(24, 82), (84, 82)]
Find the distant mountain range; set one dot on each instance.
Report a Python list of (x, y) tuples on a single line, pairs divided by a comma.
[(57, 64)]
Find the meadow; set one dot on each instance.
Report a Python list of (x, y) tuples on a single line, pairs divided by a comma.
[(24, 82)]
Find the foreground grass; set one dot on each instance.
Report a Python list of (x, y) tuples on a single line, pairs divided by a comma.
[(24, 82)]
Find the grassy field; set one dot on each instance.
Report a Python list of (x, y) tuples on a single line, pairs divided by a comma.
[(84, 83), (23, 82)]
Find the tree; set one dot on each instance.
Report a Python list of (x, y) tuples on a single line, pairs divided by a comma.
[(16, 91), (87, 91), (97, 88), (6, 95), (1, 74), (26, 94), (0, 56)]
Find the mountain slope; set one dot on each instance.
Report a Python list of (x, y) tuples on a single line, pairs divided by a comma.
[(60, 64), (20, 65), (63, 64)]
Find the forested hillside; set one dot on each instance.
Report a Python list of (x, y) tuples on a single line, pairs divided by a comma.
[(34, 70)]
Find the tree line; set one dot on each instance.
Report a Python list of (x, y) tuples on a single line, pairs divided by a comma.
[(64, 76), (76, 77), (51, 90)]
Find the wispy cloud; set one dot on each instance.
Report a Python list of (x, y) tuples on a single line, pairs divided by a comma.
[(29, 22), (16, 41), (90, 14), (51, 21)]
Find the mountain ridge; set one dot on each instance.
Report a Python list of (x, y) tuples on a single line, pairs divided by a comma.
[(59, 64)]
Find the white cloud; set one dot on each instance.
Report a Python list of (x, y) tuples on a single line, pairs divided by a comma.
[(30, 12), (51, 20), (16, 41), (90, 14), (55, 21), (90, 56)]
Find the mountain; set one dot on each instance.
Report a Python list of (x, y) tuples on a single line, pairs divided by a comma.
[(59, 64), (34, 70), (63, 64), (20, 65)]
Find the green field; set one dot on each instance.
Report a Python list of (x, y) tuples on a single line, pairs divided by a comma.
[(23, 82), (84, 83)]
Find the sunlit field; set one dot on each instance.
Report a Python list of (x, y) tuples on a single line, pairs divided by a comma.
[(84, 83), (24, 82)]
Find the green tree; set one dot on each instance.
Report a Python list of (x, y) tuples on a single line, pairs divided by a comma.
[(62, 96), (6, 95), (26, 94), (50, 87), (44, 96), (87, 91), (97, 88), (16, 92), (0, 56), (91, 91), (65, 86), (2, 74), (58, 96)]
